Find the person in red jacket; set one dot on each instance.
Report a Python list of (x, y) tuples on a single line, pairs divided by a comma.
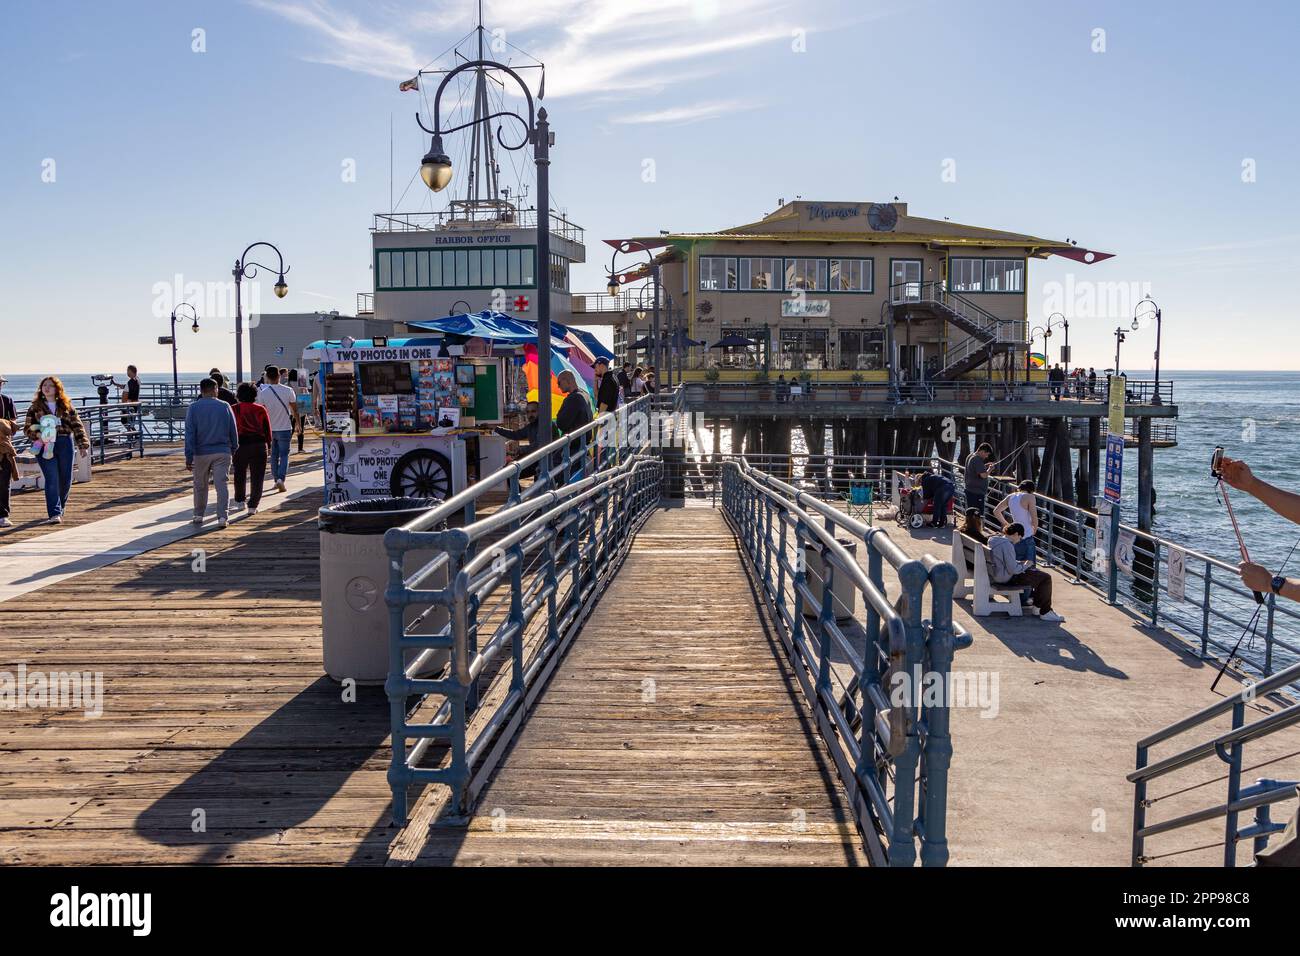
[(254, 439)]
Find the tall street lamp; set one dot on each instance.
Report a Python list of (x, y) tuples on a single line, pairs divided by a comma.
[(623, 248), (435, 170), (176, 384), (1119, 337), (1138, 313), (1066, 358), (244, 267)]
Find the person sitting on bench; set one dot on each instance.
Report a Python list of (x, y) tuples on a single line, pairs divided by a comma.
[(972, 526), (1010, 571)]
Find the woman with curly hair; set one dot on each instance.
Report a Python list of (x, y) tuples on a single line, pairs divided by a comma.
[(57, 470)]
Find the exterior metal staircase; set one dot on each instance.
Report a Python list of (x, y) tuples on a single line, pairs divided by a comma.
[(987, 334)]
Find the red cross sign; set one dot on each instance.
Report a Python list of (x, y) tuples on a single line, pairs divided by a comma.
[(521, 303)]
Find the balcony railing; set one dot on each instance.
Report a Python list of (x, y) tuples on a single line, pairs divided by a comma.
[(504, 216), (365, 302)]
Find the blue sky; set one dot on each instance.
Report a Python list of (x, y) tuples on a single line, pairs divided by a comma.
[(168, 162)]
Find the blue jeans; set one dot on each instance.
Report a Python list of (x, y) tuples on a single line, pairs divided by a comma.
[(280, 454), (57, 472), (1026, 550), (942, 495)]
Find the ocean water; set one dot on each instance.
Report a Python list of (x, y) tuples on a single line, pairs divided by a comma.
[(1254, 415)]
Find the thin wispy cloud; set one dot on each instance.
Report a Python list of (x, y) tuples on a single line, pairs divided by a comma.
[(687, 113), (602, 47)]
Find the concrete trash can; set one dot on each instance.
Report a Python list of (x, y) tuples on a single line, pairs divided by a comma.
[(353, 578), (844, 594)]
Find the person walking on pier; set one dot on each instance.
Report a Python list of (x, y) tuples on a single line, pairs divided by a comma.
[(527, 436), (223, 393), (254, 430), (56, 471), (1286, 503), (1092, 383), (575, 411), (1021, 507), (281, 406), (1010, 570), (977, 477), (211, 438), (607, 389), (8, 465)]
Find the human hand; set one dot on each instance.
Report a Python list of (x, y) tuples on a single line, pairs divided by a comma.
[(1236, 473), (189, 466), (1255, 576)]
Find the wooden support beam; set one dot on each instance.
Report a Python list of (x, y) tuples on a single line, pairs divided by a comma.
[(1146, 471)]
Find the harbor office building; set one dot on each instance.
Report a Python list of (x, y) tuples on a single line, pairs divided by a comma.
[(846, 291)]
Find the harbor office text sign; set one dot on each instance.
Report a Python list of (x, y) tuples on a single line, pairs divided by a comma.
[(805, 308)]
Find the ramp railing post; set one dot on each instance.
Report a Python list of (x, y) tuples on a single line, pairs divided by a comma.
[(905, 693), (938, 741)]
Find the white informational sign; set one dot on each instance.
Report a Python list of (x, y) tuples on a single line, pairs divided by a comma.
[(405, 353), (361, 468), (1124, 550), (1177, 559), (1102, 549)]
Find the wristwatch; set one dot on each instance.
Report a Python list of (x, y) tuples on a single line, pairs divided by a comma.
[(1277, 584)]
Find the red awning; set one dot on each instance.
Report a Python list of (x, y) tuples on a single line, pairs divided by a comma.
[(1086, 256)]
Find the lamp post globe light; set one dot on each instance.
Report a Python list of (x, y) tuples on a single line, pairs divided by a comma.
[(436, 171), (624, 248), (1144, 308), (244, 267)]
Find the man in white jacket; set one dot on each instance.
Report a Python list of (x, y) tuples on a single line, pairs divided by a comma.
[(1009, 570)]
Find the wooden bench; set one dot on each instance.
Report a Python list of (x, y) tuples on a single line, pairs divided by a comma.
[(972, 560)]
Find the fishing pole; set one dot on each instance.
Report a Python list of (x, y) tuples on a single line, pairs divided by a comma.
[(1216, 472)]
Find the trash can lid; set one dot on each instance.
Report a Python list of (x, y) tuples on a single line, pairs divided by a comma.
[(372, 515)]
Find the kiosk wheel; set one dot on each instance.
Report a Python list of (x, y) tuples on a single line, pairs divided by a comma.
[(421, 474)]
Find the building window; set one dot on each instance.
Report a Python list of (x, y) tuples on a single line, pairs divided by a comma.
[(966, 275), (807, 274), (803, 349), (760, 275), (559, 273), (852, 275), (717, 273), (1004, 275), (456, 269), (862, 349)]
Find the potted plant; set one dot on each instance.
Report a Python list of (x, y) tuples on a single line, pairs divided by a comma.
[(711, 388), (764, 385), (855, 386)]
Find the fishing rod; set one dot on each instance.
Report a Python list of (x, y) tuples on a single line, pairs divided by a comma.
[(1216, 472)]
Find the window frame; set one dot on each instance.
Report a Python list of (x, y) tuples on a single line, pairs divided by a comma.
[(868, 264), (439, 258)]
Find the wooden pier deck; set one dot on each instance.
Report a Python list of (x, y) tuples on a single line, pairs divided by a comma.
[(672, 731)]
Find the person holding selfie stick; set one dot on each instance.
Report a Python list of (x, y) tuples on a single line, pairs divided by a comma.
[(1237, 474)]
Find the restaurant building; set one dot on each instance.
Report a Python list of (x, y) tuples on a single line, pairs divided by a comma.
[(842, 291)]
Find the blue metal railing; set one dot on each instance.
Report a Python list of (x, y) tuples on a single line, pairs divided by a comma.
[(519, 581), (866, 679), (1229, 747)]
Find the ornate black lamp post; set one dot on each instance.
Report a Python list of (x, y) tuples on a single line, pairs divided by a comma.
[(176, 383), (1150, 309), (246, 268), (623, 248), (436, 172)]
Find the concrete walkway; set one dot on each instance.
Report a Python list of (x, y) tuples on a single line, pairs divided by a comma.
[(1039, 781), (39, 562)]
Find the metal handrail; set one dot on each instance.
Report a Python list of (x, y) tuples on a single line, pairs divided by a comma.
[(1229, 748), (868, 701), (553, 547)]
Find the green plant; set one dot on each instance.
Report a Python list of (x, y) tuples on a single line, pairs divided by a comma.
[(761, 376), (805, 377), (857, 378), (711, 375)]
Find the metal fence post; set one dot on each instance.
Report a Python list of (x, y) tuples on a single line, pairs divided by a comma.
[(912, 577), (1112, 571), (938, 741)]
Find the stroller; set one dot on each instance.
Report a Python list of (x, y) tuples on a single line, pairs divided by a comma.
[(914, 509)]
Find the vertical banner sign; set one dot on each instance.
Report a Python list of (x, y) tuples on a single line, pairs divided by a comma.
[(1116, 392), (1102, 551), (1176, 560), (1114, 465)]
